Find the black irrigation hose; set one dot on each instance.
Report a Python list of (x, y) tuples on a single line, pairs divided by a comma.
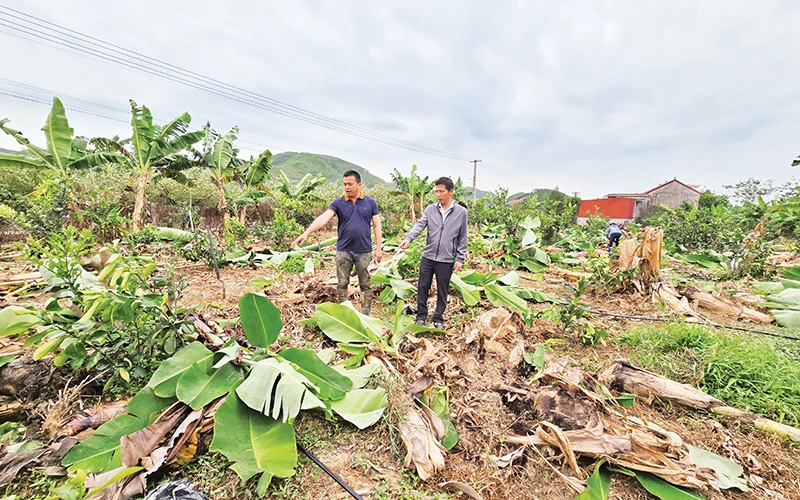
[(330, 473), (716, 325)]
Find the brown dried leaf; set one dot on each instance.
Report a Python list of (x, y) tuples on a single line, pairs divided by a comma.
[(140, 444), (463, 488), (423, 449)]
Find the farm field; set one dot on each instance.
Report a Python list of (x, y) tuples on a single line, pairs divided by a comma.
[(157, 324)]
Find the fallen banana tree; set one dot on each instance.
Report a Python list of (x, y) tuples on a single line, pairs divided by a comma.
[(426, 429), (725, 307), (683, 302), (278, 258), (250, 397), (651, 386), (576, 418), (783, 297)]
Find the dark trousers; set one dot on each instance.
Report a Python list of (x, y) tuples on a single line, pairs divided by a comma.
[(613, 240), (443, 271)]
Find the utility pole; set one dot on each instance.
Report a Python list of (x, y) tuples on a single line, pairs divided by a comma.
[(474, 181)]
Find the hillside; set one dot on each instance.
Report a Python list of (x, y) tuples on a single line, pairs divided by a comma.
[(481, 192), (541, 193), (296, 165)]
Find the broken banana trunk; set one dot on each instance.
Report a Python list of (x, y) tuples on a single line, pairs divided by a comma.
[(650, 386)]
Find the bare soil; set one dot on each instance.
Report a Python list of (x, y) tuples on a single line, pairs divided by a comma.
[(472, 366)]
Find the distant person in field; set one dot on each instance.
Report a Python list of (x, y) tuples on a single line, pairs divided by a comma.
[(445, 248), (613, 233), (355, 212)]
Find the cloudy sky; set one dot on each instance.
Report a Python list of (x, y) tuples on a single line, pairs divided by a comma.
[(591, 97)]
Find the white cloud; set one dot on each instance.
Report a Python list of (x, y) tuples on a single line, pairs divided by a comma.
[(593, 96)]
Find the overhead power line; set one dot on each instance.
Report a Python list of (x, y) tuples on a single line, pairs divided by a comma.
[(45, 31), (40, 100)]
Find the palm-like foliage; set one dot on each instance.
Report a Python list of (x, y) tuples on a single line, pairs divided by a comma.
[(253, 174), (152, 151), (62, 152), (304, 189), (414, 186), (219, 157)]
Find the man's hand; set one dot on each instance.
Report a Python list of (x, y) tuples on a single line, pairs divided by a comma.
[(403, 244), (300, 240), (378, 254), (458, 266)]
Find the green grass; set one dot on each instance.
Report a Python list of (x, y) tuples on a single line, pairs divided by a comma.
[(746, 371)]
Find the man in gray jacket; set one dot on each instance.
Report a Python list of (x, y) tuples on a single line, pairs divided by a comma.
[(445, 248)]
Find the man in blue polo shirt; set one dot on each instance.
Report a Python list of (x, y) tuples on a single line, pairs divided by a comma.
[(355, 213)]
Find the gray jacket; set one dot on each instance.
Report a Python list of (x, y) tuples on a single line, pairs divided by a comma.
[(446, 241)]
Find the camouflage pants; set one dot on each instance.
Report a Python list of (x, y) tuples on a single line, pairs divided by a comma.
[(344, 265)]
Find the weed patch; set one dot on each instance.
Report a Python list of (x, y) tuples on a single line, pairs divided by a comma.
[(745, 372)]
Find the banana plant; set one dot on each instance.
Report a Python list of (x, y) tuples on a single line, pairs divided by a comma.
[(219, 157), (304, 189), (252, 395), (152, 151), (62, 153), (414, 186), (253, 174)]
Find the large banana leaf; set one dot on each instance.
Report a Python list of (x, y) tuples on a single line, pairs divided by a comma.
[(178, 144), (470, 293), (533, 294), (397, 289), (342, 324), (100, 452), (7, 160), (223, 153), (38, 152), (172, 234), (500, 296), (95, 159), (276, 389), (261, 320), (143, 133), (362, 407), (177, 126), (663, 490), (257, 170), (598, 485), (332, 384), (58, 135), (253, 442), (164, 381), (15, 320), (197, 387), (729, 473)]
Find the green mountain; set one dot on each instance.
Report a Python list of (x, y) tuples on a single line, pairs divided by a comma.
[(296, 165), (540, 193), (480, 192)]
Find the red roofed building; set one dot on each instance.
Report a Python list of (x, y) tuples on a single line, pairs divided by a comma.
[(620, 207)]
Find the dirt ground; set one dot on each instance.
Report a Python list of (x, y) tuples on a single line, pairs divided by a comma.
[(472, 366)]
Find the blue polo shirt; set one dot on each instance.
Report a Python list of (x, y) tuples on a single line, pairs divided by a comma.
[(355, 221)]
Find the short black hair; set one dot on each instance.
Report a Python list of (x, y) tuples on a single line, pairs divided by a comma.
[(447, 182), (352, 173), (462, 204)]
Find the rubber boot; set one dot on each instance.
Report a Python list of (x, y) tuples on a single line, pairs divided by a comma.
[(366, 301)]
